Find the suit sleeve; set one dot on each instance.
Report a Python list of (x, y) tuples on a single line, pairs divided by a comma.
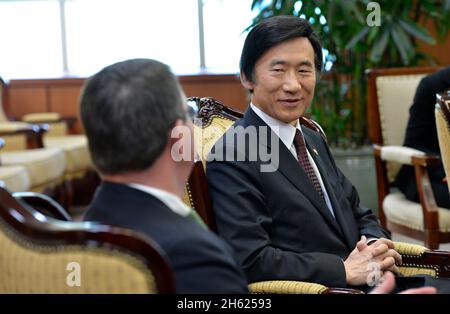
[(244, 220), (367, 221)]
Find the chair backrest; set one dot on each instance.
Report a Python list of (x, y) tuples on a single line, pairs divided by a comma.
[(212, 121), (43, 255), (442, 113), (390, 95)]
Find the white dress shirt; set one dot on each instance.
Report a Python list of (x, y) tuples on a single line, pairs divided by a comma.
[(286, 133), (170, 200)]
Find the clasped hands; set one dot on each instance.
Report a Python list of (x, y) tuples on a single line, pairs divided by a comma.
[(366, 259)]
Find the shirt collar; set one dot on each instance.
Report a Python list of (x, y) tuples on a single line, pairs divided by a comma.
[(285, 131), (170, 200)]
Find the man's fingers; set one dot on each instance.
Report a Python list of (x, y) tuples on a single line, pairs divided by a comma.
[(394, 269), (380, 249), (387, 263), (362, 244), (390, 253)]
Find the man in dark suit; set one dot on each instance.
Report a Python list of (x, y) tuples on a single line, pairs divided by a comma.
[(135, 116), (421, 134), (302, 220)]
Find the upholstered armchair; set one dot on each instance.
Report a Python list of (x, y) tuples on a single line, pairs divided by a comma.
[(59, 135), (44, 255), (390, 94), (54, 133), (214, 118), (15, 178), (24, 147), (442, 114)]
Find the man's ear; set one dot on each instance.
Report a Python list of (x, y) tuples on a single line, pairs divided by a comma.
[(247, 82)]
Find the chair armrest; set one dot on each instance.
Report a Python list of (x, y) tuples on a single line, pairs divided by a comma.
[(33, 132), (405, 155), (296, 287), (419, 257), (49, 118), (43, 204)]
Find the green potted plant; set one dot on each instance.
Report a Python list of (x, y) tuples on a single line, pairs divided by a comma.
[(352, 46)]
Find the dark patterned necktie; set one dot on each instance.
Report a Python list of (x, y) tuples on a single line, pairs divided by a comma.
[(302, 155)]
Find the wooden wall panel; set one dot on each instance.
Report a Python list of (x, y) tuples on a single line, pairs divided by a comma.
[(64, 100), (226, 88), (62, 95), (26, 100)]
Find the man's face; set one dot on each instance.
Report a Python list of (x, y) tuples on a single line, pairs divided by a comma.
[(284, 79)]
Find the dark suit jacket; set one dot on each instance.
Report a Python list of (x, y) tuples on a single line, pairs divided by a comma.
[(421, 134), (277, 223), (201, 261)]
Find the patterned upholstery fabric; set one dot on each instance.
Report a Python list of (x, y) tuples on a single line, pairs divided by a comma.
[(408, 249), (286, 287), (206, 136), (443, 128), (27, 267), (76, 151), (15, 178), (45, 166), (402, 211), (395, 96)]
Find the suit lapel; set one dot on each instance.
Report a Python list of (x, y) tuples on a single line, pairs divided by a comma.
[(291, 169)]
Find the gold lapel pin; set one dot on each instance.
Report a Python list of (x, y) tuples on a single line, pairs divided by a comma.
[(316, 152)]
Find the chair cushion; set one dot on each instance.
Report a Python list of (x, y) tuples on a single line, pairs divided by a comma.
[(44, 165), (76, 150), (15, 178), (404, 212)]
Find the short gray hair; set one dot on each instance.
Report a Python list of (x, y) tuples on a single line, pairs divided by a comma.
[(128, 110)]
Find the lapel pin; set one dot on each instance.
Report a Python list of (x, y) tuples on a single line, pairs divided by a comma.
[(315, 152)]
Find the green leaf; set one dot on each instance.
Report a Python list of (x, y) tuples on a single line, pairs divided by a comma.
[(357, 37), (417, 31), (403, 44), (379, 47)]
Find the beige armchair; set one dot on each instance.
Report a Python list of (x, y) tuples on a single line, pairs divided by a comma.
[(44, 255), (23, 147), (391, 93), (214, 118), (55, 135), (14, 178), (442, 114)]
